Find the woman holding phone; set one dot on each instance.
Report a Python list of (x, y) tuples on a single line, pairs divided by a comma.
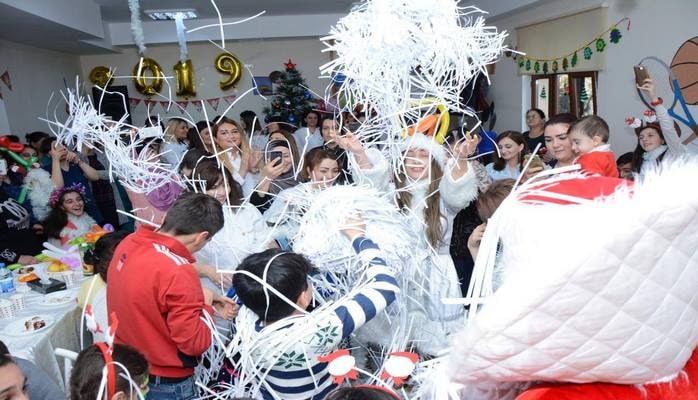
[(278, 173)]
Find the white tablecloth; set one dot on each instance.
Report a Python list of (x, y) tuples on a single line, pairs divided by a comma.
[(39, 347)]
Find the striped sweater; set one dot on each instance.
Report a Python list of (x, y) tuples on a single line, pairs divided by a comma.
[(287, 351)]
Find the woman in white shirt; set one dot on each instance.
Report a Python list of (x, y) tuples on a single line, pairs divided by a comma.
[(309, 136), (509, 160), (233, 151), (175, 143)]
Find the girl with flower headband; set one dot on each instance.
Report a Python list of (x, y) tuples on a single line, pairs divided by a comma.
[(67, 219)]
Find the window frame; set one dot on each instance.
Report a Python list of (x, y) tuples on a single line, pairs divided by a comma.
[(552, 84)]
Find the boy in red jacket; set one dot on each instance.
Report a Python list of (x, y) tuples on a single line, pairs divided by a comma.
[(590, 142), (155, 292)]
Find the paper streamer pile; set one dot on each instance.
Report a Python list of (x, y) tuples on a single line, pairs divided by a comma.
[(403, 59)]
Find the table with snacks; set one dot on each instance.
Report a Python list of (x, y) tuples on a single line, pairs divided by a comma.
[(33, 324)]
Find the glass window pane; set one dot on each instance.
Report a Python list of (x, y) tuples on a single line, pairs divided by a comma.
[(585, 95), (542, 95), (563, 94)]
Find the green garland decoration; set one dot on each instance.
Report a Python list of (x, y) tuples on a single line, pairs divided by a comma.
[(600, 45), (572, 59)]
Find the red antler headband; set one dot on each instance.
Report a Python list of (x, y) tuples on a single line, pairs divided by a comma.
[(109, 364)]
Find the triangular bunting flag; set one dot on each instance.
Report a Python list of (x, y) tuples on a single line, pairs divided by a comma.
[(149, 104), (5, 77), (182, 104), (214, 103), (165, 106), (134, 102), (230, 99), (198, 105)]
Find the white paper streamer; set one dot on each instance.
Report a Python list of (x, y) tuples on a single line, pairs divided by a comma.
[(136, 25), (181, 37)]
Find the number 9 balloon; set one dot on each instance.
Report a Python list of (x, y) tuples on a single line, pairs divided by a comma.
[(185, 79), (152, 85), (228, 64)]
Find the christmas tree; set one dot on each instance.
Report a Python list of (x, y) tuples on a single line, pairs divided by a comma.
[(292, 100), (543, 94)]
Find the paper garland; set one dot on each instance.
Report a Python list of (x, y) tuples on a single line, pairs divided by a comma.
[(214, 103), (597, 44)]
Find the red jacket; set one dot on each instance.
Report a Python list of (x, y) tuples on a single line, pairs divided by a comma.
[(156, 294), (599, 162)]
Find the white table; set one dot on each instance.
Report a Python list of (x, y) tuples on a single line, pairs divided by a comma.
[(39, 347)]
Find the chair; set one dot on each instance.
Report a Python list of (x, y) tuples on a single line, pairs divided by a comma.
[(69, 358)]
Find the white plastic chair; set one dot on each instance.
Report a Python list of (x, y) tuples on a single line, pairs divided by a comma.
[(69, 358)]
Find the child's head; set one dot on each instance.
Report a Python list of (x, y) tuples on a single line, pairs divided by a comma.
[(86, 376), (625, 165), (101, 255), (13, 384), (320, 167), (365, 392), (588, 133), (191, 158), (490, 199), (285, 272)]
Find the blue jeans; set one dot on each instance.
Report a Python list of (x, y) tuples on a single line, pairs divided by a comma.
[(184, 390)]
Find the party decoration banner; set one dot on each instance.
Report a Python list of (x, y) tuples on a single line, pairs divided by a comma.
[(530, 64)]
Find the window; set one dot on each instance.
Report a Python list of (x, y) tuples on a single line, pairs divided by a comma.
[(573, 93)]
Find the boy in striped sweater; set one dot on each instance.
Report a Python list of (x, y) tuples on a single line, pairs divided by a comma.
[(280, 340)]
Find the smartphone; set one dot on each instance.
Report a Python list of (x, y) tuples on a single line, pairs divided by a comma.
[(273, 155), (640, 74), (3, 166)]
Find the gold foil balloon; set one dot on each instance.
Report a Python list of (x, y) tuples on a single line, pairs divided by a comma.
[(101, 76), (185, 79), (227, 63), (151, 85)]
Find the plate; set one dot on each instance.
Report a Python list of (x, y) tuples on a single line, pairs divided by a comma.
[(57, 299), (16, 328)]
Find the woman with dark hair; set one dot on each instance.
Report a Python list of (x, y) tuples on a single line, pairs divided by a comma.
[(18, 243), (278, 173), (309, 136), (508, 161), (331, 134), (129, 375), (244, 231), (656, 142), (535, 120), (320, 171), (557, 140), (200, 137)]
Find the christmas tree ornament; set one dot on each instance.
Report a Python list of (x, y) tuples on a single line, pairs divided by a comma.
[(565, 64), (545, 67), (536, 66), (290, 65), (575, 59), (555, 66)]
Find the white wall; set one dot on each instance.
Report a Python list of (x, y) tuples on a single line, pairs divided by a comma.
[(263, 57), (658, 28), (35, 74)]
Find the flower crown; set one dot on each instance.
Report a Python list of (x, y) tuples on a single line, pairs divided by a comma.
[(57, 193)]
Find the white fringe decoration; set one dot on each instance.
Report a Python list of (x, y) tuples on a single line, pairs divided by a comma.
[(181, 37), (136, 25)]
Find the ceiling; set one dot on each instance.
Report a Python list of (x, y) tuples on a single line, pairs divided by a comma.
[(89, 26), (117, 10)]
